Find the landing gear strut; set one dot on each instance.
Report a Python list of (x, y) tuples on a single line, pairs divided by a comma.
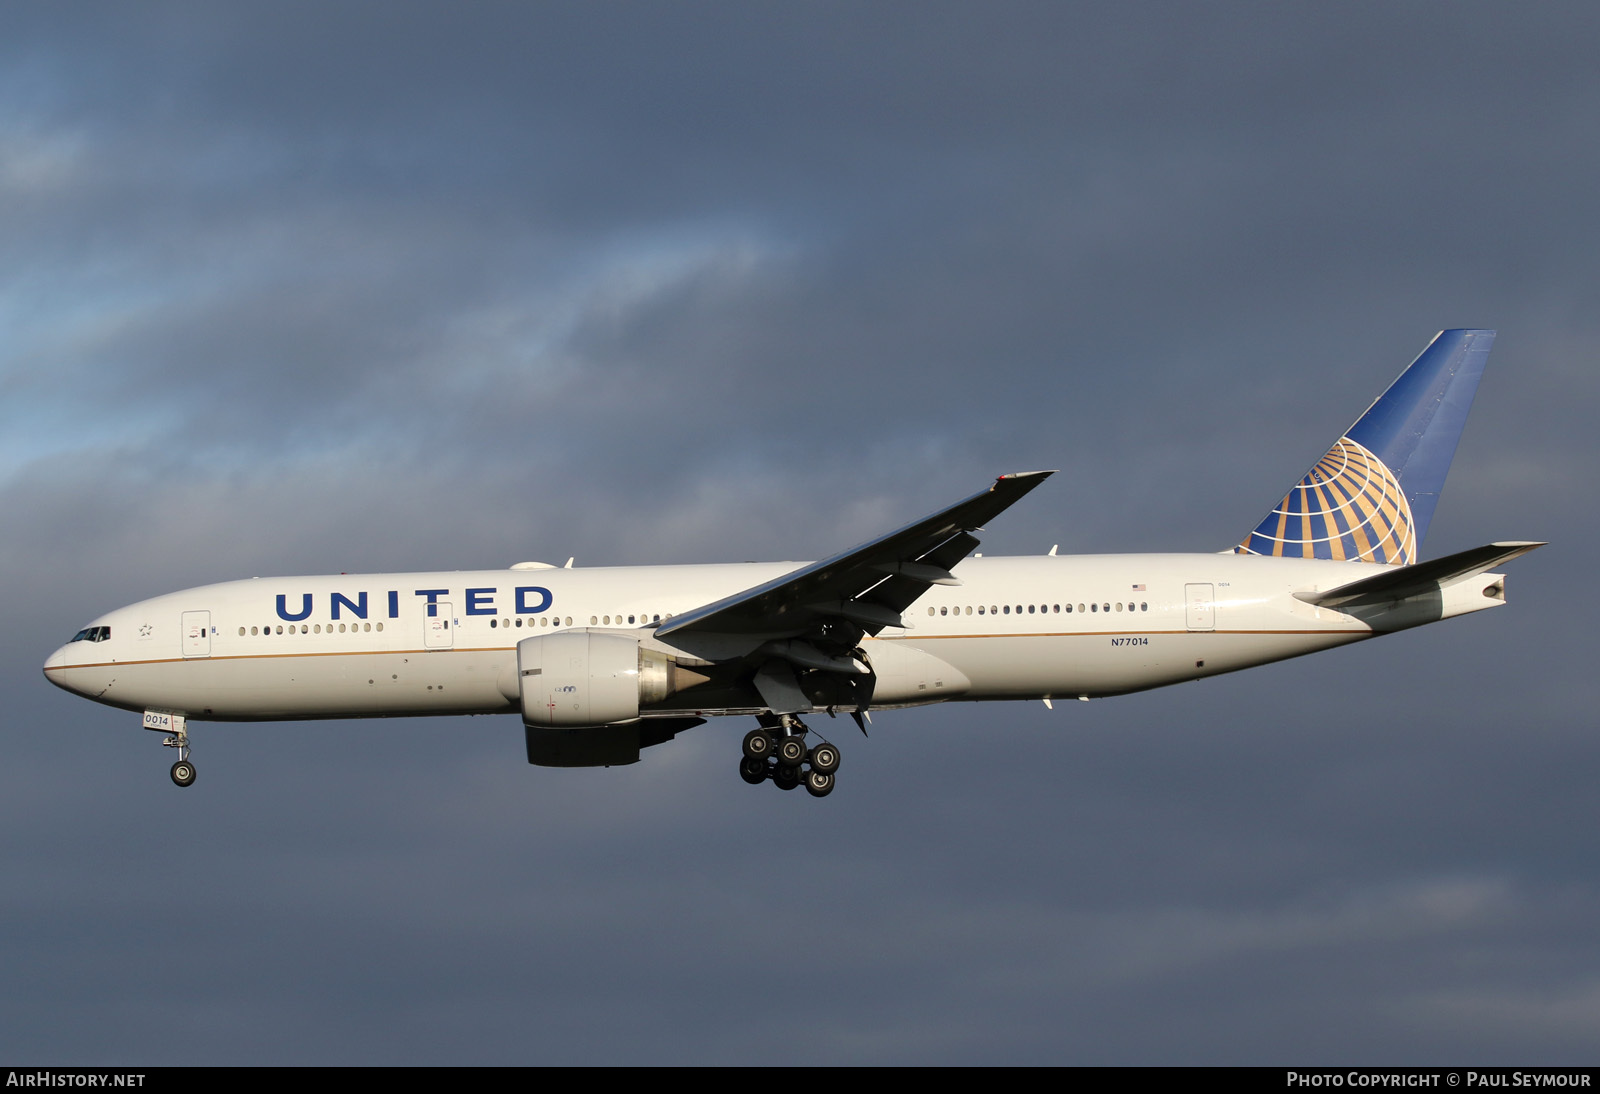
[(183, 770), (777, 750)]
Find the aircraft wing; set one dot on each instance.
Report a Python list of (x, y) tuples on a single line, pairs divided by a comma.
[(866, 587), (1421, 578)]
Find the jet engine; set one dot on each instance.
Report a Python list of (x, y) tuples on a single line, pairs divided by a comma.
[(580, 678)]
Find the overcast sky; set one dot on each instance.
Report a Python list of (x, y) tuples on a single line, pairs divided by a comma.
[(319, 288)]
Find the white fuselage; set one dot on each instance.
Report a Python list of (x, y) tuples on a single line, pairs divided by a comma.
[(445, 643)]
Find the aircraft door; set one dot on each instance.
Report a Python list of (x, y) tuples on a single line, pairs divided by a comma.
[(1199, 605), (196, 627), (438, 627)]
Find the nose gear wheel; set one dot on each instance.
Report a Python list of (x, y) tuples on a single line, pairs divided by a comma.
[(183, 770)]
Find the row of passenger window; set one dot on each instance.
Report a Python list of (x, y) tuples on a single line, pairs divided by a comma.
[(1039, 609), (317, 628), (311, 628), (636, 619), (100, 634)]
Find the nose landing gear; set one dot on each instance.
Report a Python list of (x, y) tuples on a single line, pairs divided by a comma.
[(161, 722), (183, 770), (777, 750)]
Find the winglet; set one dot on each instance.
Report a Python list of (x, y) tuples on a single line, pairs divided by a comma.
[(1024, 475)]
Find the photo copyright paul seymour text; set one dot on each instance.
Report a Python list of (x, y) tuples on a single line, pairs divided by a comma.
[(1471, 1079)]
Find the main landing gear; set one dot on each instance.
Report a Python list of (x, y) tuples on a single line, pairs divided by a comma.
[(777, 750)]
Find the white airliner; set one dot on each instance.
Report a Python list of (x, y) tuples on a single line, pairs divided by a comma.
[(600, 663)]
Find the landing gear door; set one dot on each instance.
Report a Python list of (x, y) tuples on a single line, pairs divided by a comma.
[(438, 628), (1199, 605), (196, 628)]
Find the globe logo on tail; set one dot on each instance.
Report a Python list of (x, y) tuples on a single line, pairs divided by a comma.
[(1349, 507)]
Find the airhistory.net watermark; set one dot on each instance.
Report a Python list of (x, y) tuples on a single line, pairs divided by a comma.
[(46, 1078)]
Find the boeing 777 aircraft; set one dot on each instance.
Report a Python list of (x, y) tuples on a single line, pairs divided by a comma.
[(601, 663)]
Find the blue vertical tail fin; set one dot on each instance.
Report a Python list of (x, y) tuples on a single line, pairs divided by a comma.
[(1370, 499)]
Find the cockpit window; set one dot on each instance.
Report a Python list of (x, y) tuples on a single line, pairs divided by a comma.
[(92, 634)]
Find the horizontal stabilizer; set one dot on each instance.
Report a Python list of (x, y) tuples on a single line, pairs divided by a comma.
[(1424, 577)]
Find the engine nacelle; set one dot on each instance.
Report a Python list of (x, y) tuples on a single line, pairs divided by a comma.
[(582, 678)]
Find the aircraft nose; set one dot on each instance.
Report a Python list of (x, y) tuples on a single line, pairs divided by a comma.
[(53, 670)]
